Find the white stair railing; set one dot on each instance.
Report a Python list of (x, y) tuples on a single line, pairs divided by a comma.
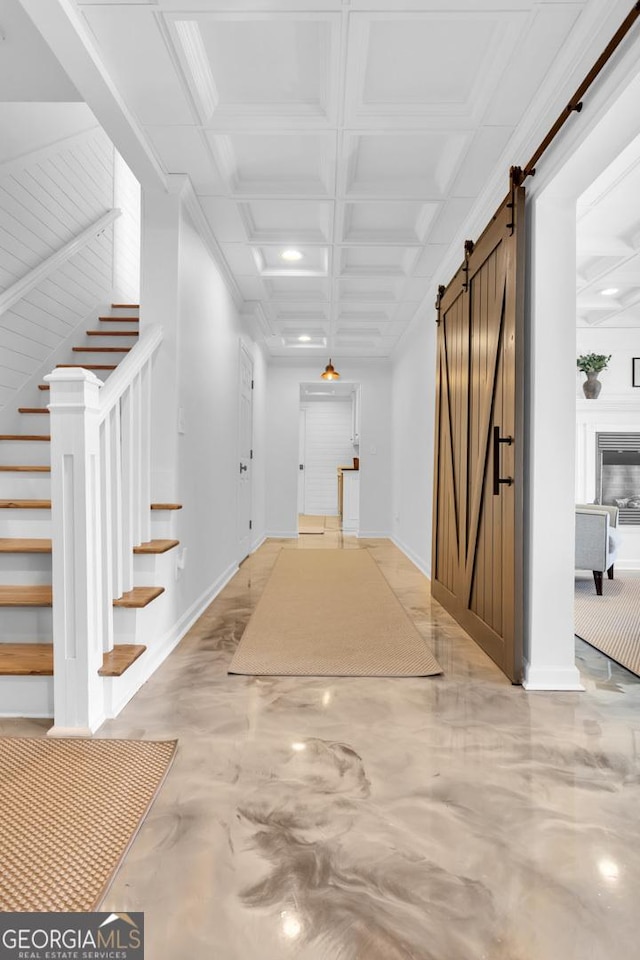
[(101, 499)]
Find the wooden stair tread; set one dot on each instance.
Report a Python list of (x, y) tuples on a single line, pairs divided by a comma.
[(33, 410), (44, 386), (26, 659), (101, 349), (116, 661), (138, 597), (112, 333), (24, 545), (24, 436), (119, 319), (87, 366), (25, 596), (156, 546), (36, 659), (25, 468), (166, 506), (125, 306), (25, 504)]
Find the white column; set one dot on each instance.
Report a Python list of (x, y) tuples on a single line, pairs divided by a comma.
[(550, 505), (77, 556)]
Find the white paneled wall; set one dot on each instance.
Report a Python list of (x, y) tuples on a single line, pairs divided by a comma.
[(46, 199), (327, 447), (126, 237)]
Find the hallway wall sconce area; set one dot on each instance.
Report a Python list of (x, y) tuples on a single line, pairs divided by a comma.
[(330, 373)]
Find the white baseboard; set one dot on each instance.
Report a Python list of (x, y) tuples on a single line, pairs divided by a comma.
[(627, 565), (281, 535), (551, 678), (373, 535), (258, 543), (119, 690), (423, 567)]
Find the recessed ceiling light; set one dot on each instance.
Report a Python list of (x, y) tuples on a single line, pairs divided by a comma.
[(291, 255), (609, 292), (304, 338)]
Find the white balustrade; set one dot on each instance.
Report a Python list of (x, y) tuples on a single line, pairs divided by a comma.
[(101, 499)]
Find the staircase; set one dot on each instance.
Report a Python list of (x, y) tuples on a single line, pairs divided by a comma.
[(26, 647)]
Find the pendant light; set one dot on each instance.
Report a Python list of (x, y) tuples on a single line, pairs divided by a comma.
[(329, 372)]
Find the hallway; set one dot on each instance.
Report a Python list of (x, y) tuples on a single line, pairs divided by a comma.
[(455, 817)]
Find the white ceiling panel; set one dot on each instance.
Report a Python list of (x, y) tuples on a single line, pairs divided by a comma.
[(403, 164), (374, 261), (287, 222), (253, 69), (392, 74), (386, 221), (338, 147), (282, 164)]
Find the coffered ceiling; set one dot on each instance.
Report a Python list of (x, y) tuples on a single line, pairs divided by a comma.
[(358, 134), (608, 245)]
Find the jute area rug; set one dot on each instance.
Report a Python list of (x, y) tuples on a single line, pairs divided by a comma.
[(331, 613), (611, 623), (310, 524), (69, 811)]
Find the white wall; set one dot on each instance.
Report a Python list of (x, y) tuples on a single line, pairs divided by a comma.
[(126, 234), (622, 343), (327, 445), (47, 197), (209, 332), (283, 405), (413, 413)]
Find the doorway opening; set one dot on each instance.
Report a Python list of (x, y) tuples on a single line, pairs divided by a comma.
[(329, 458)]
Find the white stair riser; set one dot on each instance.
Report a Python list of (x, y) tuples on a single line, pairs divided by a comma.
[(25, 624), (27, 451), (26, 696), (156, 569), (163, 523), (25, 523), (105, 341), (27, 569), (25, 486)]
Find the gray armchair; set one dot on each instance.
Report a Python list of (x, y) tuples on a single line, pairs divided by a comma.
[(597, 540)]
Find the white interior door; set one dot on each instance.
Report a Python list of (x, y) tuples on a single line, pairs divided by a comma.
[(328, 446), (301, 459), (245, 454)]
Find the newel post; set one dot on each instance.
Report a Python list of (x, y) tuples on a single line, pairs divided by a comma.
[(77, 551)]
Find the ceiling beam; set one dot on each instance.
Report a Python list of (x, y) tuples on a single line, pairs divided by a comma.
[(68, 37)]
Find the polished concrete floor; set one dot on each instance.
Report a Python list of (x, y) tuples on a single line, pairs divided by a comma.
[(450, 818)]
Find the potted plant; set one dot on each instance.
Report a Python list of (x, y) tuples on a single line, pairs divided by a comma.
[(592, 364)]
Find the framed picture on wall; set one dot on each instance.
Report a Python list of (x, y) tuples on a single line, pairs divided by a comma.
[(635, 372)]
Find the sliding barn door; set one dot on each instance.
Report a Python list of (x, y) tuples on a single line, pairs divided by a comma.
[(477, 529)]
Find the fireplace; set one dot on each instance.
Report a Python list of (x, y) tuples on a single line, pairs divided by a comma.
[(618, 473)]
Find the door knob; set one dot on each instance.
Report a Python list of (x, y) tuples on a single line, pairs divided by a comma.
[(243, 467)]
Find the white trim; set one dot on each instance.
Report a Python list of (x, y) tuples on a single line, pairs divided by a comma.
[(120, 690), (281, 535), (424, 568), (21, 287), (551, 678), (372, 534), (258, 543)]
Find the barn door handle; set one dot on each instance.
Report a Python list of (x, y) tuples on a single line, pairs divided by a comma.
[(497, 479)]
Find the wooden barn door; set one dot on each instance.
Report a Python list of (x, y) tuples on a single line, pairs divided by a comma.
[(477, 529)]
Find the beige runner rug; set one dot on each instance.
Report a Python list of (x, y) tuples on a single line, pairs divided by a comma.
[(331, 613), (69, 811), (611, 623), (310, 524)]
